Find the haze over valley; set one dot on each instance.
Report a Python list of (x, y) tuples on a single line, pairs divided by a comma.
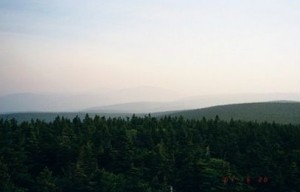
[(70, 56), (134, 100), (146, 57)]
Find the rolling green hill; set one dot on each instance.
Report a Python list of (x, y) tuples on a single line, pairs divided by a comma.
[(284, 112), (279, 112)]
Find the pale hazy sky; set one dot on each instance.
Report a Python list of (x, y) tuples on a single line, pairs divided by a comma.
[(191, 46)]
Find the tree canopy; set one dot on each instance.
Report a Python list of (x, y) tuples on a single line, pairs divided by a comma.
[(148, 154)]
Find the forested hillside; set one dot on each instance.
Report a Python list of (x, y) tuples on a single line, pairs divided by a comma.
[(284, 112), (279, 112), (148, 154)]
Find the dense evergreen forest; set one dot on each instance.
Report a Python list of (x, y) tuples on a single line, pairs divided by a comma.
[(147, 154)]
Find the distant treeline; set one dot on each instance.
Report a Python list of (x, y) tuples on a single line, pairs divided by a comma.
[(147, 154)]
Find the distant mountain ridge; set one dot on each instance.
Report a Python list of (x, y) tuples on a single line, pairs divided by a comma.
[(133, 100), (137, 107), (278, 111), (45, 102)]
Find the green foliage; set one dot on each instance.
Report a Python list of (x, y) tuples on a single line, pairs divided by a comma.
[(148, 154), (45, 181)]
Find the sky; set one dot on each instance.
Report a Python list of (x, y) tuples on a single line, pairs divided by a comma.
[(197, 47)]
